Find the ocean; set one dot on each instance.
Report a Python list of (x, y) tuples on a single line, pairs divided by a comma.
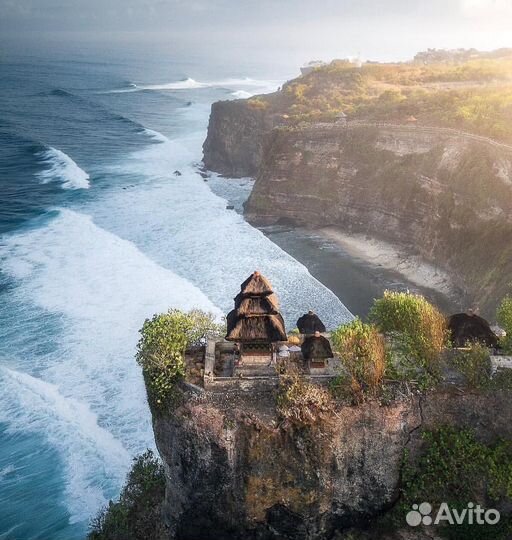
[(105, 220)]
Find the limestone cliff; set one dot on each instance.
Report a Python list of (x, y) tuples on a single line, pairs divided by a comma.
[(234, 144), (417, 154), (235, 470), (442, 195), (438, 193)]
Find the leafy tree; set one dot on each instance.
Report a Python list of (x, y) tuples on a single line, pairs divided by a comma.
[(136, 515), (161, 349)]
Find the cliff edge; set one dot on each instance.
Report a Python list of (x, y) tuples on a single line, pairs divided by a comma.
[(234, 469)]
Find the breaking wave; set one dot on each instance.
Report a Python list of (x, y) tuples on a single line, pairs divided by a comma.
[(259, 86), (61, 168), (31, 404), (85, 394)]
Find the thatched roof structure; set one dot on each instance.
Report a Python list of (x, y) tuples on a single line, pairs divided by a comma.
[(256, 304), (256, 317), (310, 323), (470, 328), (316, 346), (256, 285)]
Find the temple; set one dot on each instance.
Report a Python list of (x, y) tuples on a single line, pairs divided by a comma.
[(255, 323), (316, 351)]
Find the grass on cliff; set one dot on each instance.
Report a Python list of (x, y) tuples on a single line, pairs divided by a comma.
[(136, 515), (417, 332), (299, 402), (457, 469), (504, 318), (362, 350)]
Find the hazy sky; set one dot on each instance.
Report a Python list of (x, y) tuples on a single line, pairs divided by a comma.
[(379, 29)]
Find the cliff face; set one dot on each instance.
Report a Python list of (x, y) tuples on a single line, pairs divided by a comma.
[(235, 471), (438, 193), (234, 144), (442, 195)]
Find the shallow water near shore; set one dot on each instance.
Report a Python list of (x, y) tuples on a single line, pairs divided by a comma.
[(353, 279)]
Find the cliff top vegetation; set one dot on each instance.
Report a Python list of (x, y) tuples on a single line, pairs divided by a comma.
[(474, 94)]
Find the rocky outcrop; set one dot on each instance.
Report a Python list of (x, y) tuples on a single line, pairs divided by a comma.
[(235, 470), (234, 144)]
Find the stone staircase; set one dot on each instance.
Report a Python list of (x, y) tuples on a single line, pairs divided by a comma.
[(254, 370)]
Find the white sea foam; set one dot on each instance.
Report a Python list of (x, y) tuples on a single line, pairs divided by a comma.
[(259, 86), (182, 225), (156, 136), (33, 405), (101, 288), (242, 94), (7, 471), (61, 168)]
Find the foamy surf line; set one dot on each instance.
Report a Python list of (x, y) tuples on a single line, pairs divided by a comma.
[(184, 237), (88, 399), (61, 168), (30, 404), (259, 86)]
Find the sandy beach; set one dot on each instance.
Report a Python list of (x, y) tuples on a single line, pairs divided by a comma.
[(382, 254)]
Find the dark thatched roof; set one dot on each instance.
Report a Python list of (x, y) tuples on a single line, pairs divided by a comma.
[(470, 328), (263, 328), (316, 347), (310, 323), (256, 285), (256, 305), (256, 316)]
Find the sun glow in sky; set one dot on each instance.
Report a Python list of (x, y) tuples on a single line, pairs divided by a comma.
[(297, 30)]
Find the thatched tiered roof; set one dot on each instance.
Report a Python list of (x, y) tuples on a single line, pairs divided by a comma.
[(316, 346), (256, 316), (310, 323), (470, 328)]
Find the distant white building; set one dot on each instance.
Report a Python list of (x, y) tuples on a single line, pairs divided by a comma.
[(341, 118)]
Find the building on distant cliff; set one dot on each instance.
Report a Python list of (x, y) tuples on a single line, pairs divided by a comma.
[(255, 323), (341, 118), (309, 323)]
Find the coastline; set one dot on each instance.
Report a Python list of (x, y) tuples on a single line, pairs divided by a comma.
[(355, 273), (355, 268), (380, 253)]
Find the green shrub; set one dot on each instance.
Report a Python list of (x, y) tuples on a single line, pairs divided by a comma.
[(203, 326), (456, 468), (416, 329), (363, 353), (136, 515), (475, 365), (504, 318), (161, 350)]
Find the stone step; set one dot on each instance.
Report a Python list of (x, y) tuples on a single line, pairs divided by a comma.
[(254, 370)]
